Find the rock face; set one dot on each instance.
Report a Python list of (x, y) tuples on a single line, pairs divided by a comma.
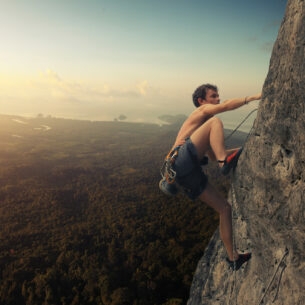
[(268, 190)]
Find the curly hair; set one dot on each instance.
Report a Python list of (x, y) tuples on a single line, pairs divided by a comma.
[(201, 91)]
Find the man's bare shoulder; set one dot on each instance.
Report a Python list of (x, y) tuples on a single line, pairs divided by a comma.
[(194, 118), (208, 110), (203, 113)]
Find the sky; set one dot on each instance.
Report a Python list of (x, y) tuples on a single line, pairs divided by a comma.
[(99, 59)]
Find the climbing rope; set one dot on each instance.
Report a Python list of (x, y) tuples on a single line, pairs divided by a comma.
[(233, 238), (279, 281), (273, 277), (240, 124), (233, 200)]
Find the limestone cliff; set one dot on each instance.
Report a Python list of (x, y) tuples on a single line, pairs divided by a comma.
[(269, 189)]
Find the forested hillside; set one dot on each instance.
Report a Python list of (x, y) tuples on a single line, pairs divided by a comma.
[(83, 221)]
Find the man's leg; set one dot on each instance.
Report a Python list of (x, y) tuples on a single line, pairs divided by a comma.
[(212, 198), (210, 135)]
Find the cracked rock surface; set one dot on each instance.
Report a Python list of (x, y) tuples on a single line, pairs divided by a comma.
[(268, 192)]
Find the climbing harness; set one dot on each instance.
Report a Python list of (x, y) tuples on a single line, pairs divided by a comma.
[(167, 172)]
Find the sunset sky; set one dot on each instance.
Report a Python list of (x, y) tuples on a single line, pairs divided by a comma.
[(98, 59)]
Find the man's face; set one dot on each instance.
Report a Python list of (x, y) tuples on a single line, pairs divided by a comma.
[(212, 97)]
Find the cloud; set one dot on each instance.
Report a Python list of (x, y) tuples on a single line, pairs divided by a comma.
[(52, 76), (49, 86), (57, 87), (50, 93), (143, 87)]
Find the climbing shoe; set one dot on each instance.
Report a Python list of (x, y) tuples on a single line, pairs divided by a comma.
[(242, 258), (230, 162), (169, 189)]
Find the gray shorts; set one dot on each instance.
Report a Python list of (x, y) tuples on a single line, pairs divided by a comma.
[(189, 174)]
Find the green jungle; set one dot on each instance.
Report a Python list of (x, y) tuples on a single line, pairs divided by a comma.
[(82, 218)]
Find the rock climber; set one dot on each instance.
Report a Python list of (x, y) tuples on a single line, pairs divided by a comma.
[(202, 136)]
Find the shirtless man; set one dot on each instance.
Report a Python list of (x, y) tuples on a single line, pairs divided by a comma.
[(202, 135)]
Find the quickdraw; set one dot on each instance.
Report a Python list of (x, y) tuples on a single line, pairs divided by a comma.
[(167, 171)]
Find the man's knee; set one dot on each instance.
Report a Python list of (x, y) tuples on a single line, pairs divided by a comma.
[(216, 121)]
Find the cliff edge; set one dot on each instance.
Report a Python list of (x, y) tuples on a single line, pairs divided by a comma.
[(268, 190)]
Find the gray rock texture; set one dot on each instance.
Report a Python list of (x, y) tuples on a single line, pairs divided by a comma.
[(268, 190)]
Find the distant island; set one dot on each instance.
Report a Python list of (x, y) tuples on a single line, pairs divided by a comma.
[(172, 119)]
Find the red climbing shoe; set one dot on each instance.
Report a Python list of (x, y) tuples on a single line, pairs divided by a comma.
[(230, 162), (242, 258)]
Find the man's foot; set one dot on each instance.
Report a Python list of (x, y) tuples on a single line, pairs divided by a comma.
[(242, 258), (230, 162), (169, 189)]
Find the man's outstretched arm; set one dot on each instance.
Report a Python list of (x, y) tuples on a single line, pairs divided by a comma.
[(230, 104)]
